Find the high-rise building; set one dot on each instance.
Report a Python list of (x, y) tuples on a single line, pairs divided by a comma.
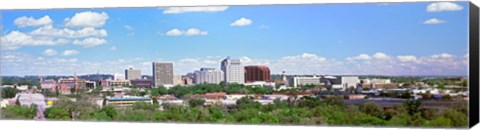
[(257, 73), (208, 75), (131, 73), (162, 73), (233, 71)]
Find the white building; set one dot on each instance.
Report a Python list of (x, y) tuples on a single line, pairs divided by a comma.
[(347, 82), (299, 81), (233, 71), (27, 99), (22, 87), (131, 73), (376, 81), (207, 75), (261, 84)]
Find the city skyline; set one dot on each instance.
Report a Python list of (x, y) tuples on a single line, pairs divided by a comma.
[(402, 39)]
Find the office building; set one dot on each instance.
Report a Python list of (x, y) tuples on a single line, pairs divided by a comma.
[(341, 82), (127, 101), (301, 81), (257, 73), (48, 85), (142, 83), (131, 73), (208, 75), (118, 83), (162, 74), (233, 71), (177, 80)]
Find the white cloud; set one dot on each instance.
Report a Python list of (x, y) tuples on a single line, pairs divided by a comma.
[(70, 52), (178, 10), (25, 21), (113, 48), (90, 42), (51, 31), (241, 22), (195, 31), (443, 6), (87, 19), (16, 39), (174, 32), (49, 52), (434, 21), (380, 55), (443, 55), (306, 63), (48, 35), (407, 58), (361, 57), (189, 32)]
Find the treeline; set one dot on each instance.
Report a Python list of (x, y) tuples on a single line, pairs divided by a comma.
[(180, 91), (301, 111)]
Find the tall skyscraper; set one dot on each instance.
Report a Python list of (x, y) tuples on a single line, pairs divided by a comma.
[(208, 75), (162, 73), (233, 71), (131, 73), (257, 73)]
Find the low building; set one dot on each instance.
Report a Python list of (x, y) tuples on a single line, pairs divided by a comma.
[(22, 87), (119, 82), (261, 84), (27, 99), (301, 81), (355, 97), (90, 84), (127, 101), (264, 101), (273, 97), (142, 83), (237, 96), (166, 97), (48, 85)]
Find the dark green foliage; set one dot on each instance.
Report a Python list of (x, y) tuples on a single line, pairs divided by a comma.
[(372, 109), (196, 102), (19, 112), (56, 113), (412, 106), (8, 92), (247, 102)]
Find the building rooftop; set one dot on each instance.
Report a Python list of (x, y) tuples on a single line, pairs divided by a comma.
[(128, 99)]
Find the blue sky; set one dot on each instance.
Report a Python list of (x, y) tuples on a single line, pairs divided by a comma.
[(393, 39)]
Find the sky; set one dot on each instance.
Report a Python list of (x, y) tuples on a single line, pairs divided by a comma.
[(327, 39)]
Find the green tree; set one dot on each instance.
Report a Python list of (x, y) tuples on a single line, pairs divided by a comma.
[(8, 92), (372, 109), (19, 112), (412, 106), (247, 102), (56, 113), (196, 102)]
